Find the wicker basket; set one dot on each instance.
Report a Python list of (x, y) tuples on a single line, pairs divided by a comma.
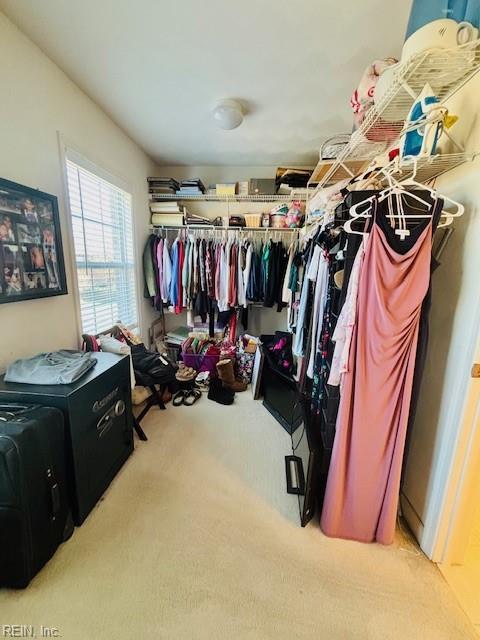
[(253, 219)]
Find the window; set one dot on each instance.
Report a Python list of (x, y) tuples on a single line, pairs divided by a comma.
[(102, 233)]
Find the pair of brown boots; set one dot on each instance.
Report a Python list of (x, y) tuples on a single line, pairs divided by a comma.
[(226, 374)]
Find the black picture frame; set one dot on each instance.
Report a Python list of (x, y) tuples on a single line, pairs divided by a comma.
[(31, 252)]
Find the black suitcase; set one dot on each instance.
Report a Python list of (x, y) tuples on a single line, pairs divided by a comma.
[(34, 512)]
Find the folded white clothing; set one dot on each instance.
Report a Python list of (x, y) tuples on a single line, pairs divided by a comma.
[(112, 345)]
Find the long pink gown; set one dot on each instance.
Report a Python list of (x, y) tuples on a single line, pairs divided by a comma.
[(363, 483)]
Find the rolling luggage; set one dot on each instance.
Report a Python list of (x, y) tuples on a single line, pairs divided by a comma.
[(34, 512)]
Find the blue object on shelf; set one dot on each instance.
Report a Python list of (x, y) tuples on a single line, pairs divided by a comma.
[(425, 11), (414, 140)]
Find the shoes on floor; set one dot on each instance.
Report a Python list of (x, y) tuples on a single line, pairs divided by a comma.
[(166, 396), (185, 374), (226, 374), (191, 397), (139, 395), (219, 393), (187, 397), (202, 381)]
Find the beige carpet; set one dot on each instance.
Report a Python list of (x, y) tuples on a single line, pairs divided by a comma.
[(196, 538)]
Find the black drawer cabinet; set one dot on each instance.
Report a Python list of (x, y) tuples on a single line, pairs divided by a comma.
[(98, 422)]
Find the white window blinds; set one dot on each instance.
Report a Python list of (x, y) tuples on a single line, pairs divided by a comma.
[(102, 232)]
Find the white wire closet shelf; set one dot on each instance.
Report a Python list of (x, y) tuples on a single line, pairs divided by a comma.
[(425, 168), (298, 194), (211, 227), (445, 70)]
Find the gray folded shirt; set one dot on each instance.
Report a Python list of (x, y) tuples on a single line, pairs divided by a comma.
[(57, 367)]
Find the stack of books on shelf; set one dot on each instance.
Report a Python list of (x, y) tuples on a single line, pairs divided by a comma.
[(192, 219), (168, 219), (243, 188), (166, 207), (167, 214), (162, 186), (177, 335), (193, 187)]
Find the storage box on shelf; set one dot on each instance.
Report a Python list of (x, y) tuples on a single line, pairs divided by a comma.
[(445, 70)]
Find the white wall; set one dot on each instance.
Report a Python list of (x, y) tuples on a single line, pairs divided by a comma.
[(37, 101), (454, 324), (211, 174)]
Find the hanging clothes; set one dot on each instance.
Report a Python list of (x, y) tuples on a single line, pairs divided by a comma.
[(173, 291), (232, 280), (281, 268), (246, 272), (265, 261), (241, 264), (420, 359), (150, 288), (321, 356), (160, 267), (354, 242), (201, 266), (222, 300), (319, 274), (294, 286), (299, 341), (167, 273), (286, 291), (181, 258), (363, 483), (228, 247), (210, 269), (157, 301), (275, 261), (232, 274), (255, 276), (201, 298), (342, 335), (185, 274)]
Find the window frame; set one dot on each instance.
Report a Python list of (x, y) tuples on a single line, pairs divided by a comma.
[(70, 152)]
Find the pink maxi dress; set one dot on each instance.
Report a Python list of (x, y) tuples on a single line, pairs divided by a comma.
[(363, 483)]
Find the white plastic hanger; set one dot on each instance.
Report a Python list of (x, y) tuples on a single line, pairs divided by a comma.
[(393, 168), (399, 189), (399, 216), (447, 214)]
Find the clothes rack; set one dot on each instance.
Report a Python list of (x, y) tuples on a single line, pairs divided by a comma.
[(202, 269)]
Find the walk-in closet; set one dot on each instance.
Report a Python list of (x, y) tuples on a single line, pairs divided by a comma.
[(240, 353)]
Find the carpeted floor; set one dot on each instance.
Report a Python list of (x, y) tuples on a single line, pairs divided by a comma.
[(196, 538)]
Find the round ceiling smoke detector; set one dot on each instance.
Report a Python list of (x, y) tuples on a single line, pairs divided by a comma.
[(228, 114)]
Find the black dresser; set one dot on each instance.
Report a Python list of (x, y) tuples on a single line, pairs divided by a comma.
[(98, 422)]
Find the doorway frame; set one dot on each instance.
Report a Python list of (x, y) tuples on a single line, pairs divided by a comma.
[(456, 484)]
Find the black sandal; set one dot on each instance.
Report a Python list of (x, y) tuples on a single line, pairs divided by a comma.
[(196, 394), (179, 397)]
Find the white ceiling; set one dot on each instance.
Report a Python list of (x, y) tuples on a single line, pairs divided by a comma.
[(157, 67)]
